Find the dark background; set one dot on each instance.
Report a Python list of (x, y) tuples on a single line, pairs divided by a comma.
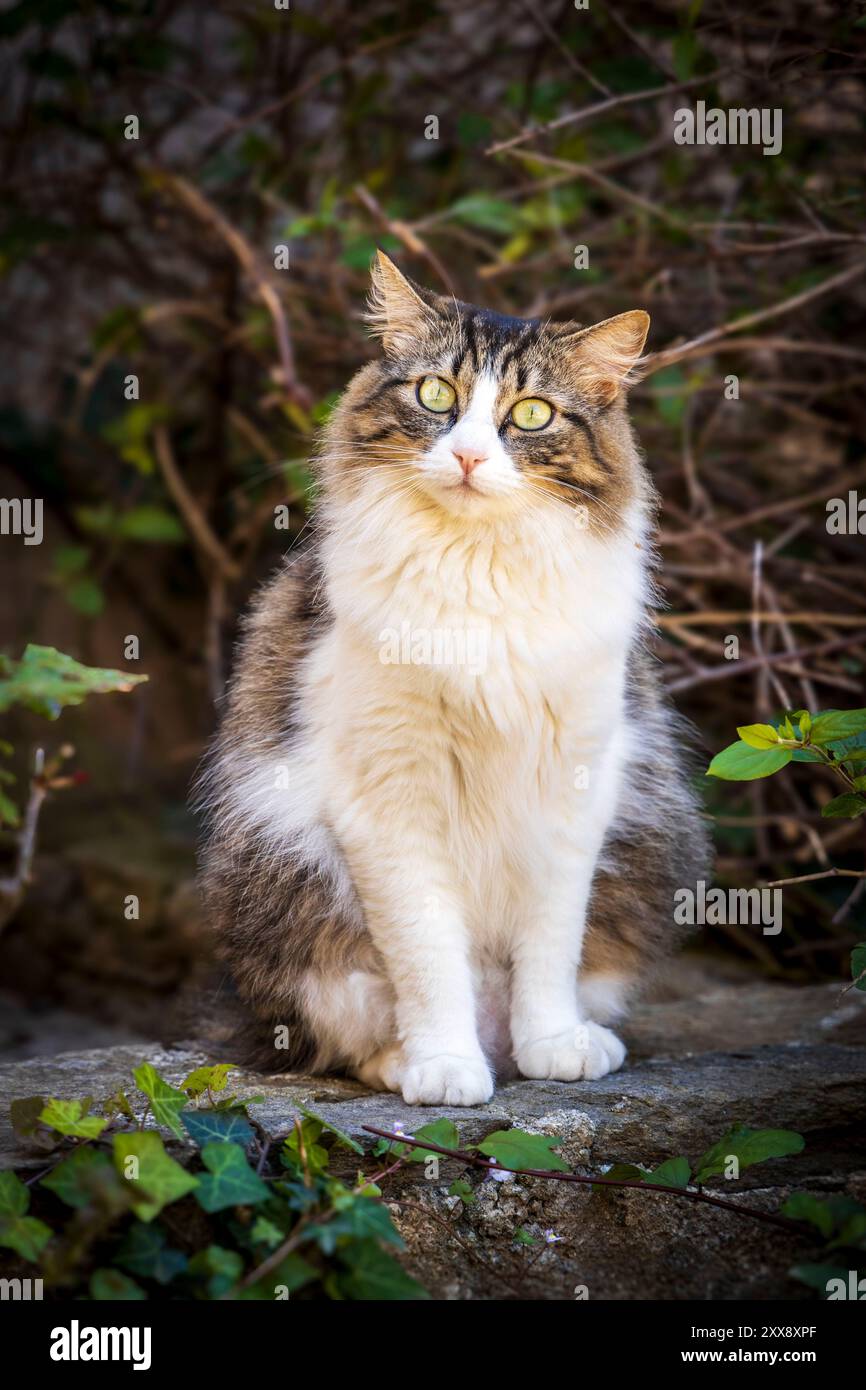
[(260, 127)]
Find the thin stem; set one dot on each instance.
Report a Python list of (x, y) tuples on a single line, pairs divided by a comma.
[(490, 1165)]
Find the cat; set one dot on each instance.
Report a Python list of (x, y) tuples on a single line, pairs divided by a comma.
[(447, 804)]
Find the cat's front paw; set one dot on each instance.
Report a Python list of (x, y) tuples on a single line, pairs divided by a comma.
[(584, 1053), (447, 1080)]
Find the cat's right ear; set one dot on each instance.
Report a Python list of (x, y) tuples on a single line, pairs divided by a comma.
[(396, 311)]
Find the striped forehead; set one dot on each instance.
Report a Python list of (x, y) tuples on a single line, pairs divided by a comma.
[(494, 343)]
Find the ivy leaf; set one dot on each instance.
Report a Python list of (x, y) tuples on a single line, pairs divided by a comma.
[(27, 1125), (207, 1079), (70, 1117), (24, 1234), (218, 1126), (230, 1181), (304, 1137), (515, 1149), (166, 1102), (218, 1267), (292, 1273), (118, 1104), (760, 735), (741, 763), (848, 806), (146, 1252), (375, 1276), (159, 1178), (674, 1172), (748, 1146), (363, 1218), (109, 1285), (524, 1237), (858, 966), (14, 1196), (264, 1232), (837, 723), (77, 1178)]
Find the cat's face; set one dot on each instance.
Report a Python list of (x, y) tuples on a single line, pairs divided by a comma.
[(483, 413)]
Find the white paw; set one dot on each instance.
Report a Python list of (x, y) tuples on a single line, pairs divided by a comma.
[(585, 1053), (384, 1070), (446, 1080)]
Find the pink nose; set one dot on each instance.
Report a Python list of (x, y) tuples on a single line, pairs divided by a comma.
[(468, 459)]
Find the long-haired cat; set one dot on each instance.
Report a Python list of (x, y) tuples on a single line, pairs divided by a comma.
[(447, 806)]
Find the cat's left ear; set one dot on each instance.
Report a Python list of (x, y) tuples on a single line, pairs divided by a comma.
[(603, 356), (396, 310)]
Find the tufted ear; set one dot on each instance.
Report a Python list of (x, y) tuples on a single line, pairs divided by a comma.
[(396, 310), (603, 355)]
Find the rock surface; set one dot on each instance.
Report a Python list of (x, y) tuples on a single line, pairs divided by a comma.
[(764, 1055)]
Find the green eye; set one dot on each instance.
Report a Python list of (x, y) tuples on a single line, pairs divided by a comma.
[(531, 414), (436, 394)]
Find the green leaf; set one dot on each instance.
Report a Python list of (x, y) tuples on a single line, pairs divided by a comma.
[(740, 763), (207, 1079), (218, 1126), (26, 1124), (375, 1276), (219, 1268), (145, 1252), (26, 1235), (109, 1285), (442, 1132), (802, 1206), (85, 595), (487, 213), (292, 1273), (70, 1117), (151, 524), (837, 723), (760, 735), (515, 1149), (748, 1146), (303, 1137), (624, 1172), (817, 1276), (462, 1189), (46, 680), (674, 1172), (858, 965), (345, 1139), (230, 1181), (79, 1176), (362, 1218), (14, 1196), (524, 1237), (166, 1102), (160, 1179), (264, 1232), (848, 806)]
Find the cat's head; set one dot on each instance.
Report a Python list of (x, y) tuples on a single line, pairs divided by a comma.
[(482, 413)]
